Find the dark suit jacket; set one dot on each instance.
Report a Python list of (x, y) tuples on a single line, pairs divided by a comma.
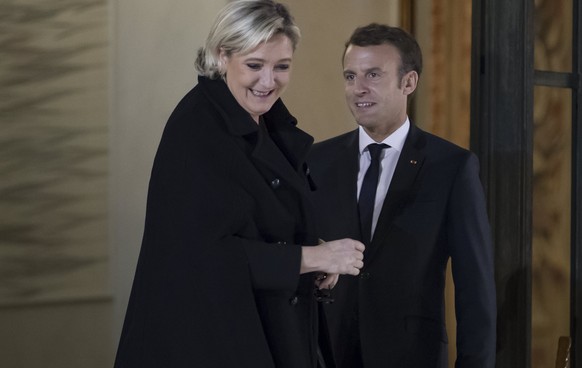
[(217, 282), (434, 210)]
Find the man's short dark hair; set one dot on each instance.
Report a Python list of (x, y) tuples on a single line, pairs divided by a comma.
[(378, 34)]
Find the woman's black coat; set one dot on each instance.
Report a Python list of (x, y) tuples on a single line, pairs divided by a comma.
[(217, 282)]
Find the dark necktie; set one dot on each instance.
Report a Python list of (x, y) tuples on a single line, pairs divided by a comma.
[(368, 192)]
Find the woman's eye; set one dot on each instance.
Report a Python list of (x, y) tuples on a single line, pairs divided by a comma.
[(282, 67), (254, 66)]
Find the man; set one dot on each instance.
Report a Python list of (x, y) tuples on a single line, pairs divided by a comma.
[(428, 207)]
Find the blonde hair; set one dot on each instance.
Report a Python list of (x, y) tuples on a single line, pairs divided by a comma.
[(240, 27)]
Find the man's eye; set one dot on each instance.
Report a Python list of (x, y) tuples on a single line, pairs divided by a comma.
[(373, 75), (254, 66), (349, 77)]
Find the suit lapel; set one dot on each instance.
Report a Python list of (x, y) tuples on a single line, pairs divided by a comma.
[(346, 179), (409, 164)]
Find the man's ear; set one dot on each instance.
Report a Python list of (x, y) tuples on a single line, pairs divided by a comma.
[(409, 82)]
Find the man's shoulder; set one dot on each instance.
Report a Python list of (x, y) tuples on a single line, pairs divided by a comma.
[(432, 143), (336, 142), (325, 154)]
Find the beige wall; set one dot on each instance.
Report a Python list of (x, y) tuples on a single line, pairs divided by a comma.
[(55, 299), (57, 335), (151, 50), (316, 94)]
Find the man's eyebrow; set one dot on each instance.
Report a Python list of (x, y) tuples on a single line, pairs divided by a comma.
[(374, 69)]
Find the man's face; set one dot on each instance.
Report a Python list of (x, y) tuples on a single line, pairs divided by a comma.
[(375, 93)]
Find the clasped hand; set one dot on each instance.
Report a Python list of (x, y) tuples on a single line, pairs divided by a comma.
[(333, 258)]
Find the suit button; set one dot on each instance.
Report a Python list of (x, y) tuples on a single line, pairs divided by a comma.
[(294, 300), (282, 243), (307, 171), (364, 276), (275, 183)]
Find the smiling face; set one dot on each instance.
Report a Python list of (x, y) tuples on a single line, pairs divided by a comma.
[(375, 93), (258, 78)]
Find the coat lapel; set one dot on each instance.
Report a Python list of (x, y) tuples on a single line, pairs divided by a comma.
[(409, 164), (282, 147), (281, 155), (268, 155)]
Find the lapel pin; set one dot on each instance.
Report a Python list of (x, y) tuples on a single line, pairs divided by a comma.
[(414, 162)]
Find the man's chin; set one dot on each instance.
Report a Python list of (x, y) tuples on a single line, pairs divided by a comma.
[(364, 123)]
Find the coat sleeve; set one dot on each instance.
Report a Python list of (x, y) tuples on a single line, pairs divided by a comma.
[(196, 201), (472, 267)]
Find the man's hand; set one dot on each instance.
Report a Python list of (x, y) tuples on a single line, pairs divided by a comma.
[(326, 281)]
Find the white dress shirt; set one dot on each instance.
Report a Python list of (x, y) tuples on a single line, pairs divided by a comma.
[(388, 159)]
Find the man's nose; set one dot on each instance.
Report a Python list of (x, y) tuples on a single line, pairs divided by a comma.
[(360, 86)]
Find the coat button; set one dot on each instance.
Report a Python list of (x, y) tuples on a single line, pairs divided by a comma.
[(294, 300), (275, 183), (364, 276), (282, 243)]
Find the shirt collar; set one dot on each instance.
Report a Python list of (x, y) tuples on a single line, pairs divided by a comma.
[(394, 140)]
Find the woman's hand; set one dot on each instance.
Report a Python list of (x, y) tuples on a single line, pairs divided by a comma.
[(344, 256)]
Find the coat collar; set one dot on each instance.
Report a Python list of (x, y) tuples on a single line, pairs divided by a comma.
[(293, 144), (282, 126), (238, 121), (292, 141)]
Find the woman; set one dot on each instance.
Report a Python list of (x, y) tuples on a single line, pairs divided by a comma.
[(226, 274)]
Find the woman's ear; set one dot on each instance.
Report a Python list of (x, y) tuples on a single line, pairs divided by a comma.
[(222, 54), (222, 61), (409, 82)]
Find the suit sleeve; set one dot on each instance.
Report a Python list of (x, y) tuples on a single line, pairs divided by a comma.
[(472, 267)]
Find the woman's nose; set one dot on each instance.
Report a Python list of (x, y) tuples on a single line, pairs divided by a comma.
[(267, 79)]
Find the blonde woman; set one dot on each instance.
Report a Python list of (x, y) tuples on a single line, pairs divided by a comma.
[(229, 262)]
